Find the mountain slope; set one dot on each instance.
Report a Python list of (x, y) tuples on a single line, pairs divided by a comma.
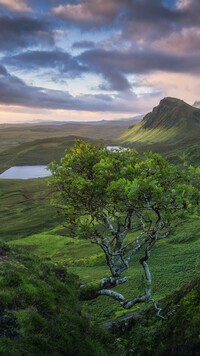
[(40, 311), (13, 136), (172, 120), (41, 151), (177, 334)]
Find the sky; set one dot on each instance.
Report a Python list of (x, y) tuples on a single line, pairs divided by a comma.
[(86, 60)]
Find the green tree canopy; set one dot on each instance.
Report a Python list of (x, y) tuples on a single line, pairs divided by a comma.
[(124, 203)]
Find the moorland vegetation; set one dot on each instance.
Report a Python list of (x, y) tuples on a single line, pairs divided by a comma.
[(47, 257)]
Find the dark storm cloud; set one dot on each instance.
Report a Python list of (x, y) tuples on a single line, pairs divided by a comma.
[(22, 32), (114, 81), (3, 70), (160, 36), (14, 91), (150, 20), (99, 13), (114, 65), (140, 19), (62, 61)]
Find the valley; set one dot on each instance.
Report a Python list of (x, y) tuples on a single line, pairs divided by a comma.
[(31, 225)]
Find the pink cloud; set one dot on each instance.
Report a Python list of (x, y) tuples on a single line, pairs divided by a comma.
[(185, 41), (90, 11), (18, 6), (182, 4)]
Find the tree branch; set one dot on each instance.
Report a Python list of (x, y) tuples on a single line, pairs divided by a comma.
[(140, 299), (158, 310), (107, 222), (111, 282), (110, 293)]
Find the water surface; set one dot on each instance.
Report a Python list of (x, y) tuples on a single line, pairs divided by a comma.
[(25, 172)]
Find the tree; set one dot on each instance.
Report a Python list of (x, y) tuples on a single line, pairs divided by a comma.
[(124, 203)]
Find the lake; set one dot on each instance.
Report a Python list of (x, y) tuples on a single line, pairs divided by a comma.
[(25, 172), (29, 172)]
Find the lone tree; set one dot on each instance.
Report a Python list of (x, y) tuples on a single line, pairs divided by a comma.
[(122, 202)]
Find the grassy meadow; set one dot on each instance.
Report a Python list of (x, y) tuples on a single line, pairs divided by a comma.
[(25, 208), (41, 144), (168, 263), (28, 221), (13, 136)]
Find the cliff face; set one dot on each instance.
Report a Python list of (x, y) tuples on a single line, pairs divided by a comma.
[(170, 113), (171, 119)]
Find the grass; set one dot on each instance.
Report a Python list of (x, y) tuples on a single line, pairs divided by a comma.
[(30, 145), (40, 311), (178, 334), (137, 133), (43, 310), (171, 120), (173, 262), (14, 136), (41, 151), (27, 220), (25, 208)]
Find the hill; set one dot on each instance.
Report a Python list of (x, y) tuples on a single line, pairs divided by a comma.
[(177, 333), (39, 309), (171, 121), (41, 315), (12, 136), (171, 129), (42, 151)]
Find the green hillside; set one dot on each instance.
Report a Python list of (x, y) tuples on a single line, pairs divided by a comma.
[(171, 121), (176, 334), (25, 208), (86, 260), (41, 151), (12, 136), (39, 309)]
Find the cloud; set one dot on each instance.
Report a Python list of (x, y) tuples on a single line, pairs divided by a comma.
[(18, 6), (3, 70), (146, 20), (83, 44), (89, 13), (14, 91), (55, 60), (142, 21), (114, 66), (185, 86), (122, 43), (186, 41), (182, 4), (22, 32)]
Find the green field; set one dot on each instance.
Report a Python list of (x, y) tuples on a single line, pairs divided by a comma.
[(25, 208), (174, 262), (28, 220), (13, 136), (41, 144)]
